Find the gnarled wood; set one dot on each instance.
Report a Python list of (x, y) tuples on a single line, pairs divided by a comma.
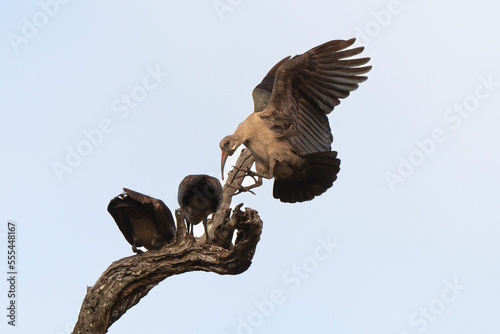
[(126, 281)]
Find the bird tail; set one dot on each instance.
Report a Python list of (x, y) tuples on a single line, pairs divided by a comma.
[(319, 172)]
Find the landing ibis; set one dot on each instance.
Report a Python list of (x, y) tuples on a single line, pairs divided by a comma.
[(288, 133)]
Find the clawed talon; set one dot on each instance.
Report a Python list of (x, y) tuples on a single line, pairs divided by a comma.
[(257, 178), (253, 174), (241, 189), (248, 172)]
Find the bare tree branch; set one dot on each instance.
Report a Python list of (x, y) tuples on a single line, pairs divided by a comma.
[(126, 281)]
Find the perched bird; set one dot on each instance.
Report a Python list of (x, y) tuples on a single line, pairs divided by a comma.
[(288, 133), (199, 196), (144, 221)]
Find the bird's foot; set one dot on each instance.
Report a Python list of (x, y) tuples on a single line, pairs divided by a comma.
[(257, 177), (241, 189), (137, 250), (248, 172)]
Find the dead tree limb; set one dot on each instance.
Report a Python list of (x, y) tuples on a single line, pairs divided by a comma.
[(127, 280)]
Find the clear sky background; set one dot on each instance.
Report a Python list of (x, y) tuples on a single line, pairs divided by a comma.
[(412, 221)]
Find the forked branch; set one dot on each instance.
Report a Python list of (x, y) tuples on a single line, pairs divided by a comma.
[(127, 280)]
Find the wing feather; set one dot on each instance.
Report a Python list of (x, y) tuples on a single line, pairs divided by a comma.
[(155, 208), (302, 90), (121, 219)]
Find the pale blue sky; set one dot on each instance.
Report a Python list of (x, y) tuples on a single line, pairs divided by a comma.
[(427, 119)]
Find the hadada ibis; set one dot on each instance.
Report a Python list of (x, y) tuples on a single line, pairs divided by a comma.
[(288, 133), (199, 196), (144, 221)]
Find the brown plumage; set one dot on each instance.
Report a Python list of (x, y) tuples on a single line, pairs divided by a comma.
[(199, 196), (288, 133), (144, 221)]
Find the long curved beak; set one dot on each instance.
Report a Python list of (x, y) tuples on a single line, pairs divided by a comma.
[(223, 162)]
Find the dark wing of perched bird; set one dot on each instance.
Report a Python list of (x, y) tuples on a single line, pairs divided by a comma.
[(144, 221), (199, 196), (304, 89)]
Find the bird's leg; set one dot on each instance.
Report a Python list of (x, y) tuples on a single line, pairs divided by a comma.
[(253, 174), (257, 178), (207, 236), (241, 189)]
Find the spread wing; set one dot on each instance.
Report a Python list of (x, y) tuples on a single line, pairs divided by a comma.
[(297, 94), (262, 93)]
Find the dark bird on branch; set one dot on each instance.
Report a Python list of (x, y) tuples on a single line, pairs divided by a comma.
[(288, 133), (199, 196), (144, 221)]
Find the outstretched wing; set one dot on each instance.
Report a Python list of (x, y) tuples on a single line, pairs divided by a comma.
[(262, 92), (305, 89)]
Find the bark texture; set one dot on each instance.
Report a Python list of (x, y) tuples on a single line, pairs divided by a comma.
[(127, 280)]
